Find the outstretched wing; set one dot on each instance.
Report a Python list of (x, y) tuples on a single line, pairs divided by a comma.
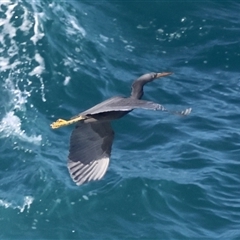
[(122, 104), (90, 149), (128, 104)]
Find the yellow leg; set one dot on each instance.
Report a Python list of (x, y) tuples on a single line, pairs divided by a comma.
[(61, 122)]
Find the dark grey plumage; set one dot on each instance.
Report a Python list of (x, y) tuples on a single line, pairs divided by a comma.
[(89, 153), (92, 138)]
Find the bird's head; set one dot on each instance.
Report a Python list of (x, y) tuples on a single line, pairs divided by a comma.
[(137, 86), (148, 77), (163, 74)]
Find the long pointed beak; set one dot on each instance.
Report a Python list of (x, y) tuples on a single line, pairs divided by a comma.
[(163, 74)]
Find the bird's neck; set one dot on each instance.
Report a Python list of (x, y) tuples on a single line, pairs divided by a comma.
[(137, 89)]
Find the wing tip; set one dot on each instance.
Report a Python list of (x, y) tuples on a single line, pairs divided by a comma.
[(93, 171), (186, 112)]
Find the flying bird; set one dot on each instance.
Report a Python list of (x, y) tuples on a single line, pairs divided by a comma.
[(92, 138)]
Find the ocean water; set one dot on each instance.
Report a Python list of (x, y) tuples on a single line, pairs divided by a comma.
[(170, 177)]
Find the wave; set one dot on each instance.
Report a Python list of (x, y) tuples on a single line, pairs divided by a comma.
[(10, 125), (27, 201)]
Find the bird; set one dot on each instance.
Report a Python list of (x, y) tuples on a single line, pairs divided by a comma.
[(91, 139)]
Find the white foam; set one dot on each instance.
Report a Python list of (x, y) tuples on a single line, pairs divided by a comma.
[(5, 65), (26, 25), (183, 19), (28, 200), (104, 38), (40, 68), (23, 61), (68, 62), (67, 80), (37, 29), (85, 197), (8, 28), (76, 26), (130, 48), (18, 97), (16, 82), (71, 23), (10, 125)]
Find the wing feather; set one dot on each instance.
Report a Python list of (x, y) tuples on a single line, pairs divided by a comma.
[(90, 149)]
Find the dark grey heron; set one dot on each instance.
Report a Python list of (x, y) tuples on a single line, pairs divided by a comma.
[(91, 140)]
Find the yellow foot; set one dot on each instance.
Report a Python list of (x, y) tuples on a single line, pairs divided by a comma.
[(61, 122)]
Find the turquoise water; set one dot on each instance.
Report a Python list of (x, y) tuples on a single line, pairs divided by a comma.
[(170, 177)]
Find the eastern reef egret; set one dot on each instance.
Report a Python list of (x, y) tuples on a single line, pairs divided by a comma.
[(92, 138)]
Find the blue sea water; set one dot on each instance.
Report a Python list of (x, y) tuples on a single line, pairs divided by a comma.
[(170, 177)]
